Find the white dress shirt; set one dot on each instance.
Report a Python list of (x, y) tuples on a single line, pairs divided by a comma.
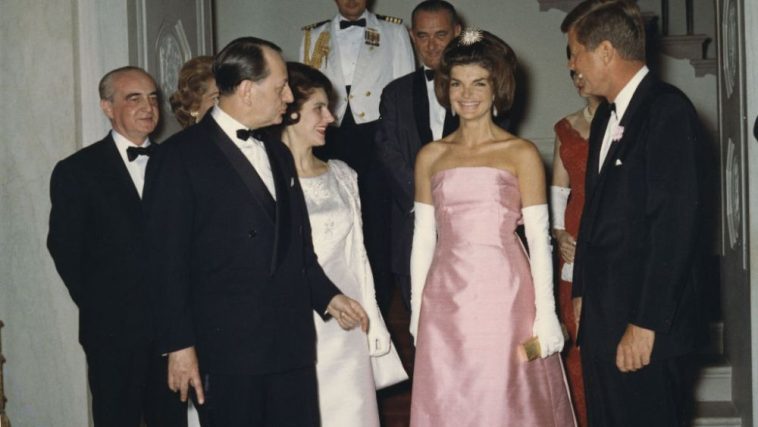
[(622, 102), (253, 149), (137, 166), (349, 43), (436, 111)]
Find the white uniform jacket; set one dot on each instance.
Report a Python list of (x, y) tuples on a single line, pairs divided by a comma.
[(385, 55)]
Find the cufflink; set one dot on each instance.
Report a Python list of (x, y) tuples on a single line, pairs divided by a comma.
[(618, 162)]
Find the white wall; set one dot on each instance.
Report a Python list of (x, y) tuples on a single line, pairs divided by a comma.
[(534, 35), (53, 55)]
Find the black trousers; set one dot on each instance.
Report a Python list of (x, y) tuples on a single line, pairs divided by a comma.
[(354, 144), (404, 283), (129, 384), (659, 394), (287, 399)]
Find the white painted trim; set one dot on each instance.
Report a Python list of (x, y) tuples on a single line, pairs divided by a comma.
[(141, 22), (751, 88)]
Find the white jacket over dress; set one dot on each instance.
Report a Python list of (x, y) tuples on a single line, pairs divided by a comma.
[(350, 365)]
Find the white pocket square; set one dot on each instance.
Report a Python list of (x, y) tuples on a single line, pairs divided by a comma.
[(618, 162), (292, 182)]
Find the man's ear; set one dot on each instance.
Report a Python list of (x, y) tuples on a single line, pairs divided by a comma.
[(107, 107), (607, 51), (456, 30), (246, 90)]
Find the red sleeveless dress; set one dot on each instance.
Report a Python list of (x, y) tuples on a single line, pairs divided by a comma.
[(573, 151)]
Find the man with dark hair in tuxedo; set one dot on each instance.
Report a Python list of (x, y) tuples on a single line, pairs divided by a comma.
[(235, 277), (411, 116), (638, 276), (96, 239)]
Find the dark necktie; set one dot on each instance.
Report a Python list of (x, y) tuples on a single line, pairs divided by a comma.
[(612, 107), (244, 134), (347, 24), (429, 74), (133, 152)]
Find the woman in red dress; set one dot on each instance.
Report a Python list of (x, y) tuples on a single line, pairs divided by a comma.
[(567, 202)]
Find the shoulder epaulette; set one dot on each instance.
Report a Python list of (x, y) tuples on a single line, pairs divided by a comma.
[(390, 19), (312, 26)]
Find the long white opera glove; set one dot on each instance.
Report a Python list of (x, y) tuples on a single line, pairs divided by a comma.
[(558, 201), (546, 326), (422, 253)]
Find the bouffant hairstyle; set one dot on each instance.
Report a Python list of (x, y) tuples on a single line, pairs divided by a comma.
[(303, 80), (192, 85), (618, 21), (476, 47)]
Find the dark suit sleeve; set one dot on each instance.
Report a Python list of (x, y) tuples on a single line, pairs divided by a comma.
[(170, 212), (389, 148), (673, 204), (65, 239)]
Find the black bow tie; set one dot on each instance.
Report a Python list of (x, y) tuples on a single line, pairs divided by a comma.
[(347, 24), (133, 152), (429, 74), (244, 134)]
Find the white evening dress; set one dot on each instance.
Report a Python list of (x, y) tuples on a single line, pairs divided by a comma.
[(346, 385)]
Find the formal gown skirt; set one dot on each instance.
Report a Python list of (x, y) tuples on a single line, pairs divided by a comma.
[(574, 151), (347, 396), (477, 307)]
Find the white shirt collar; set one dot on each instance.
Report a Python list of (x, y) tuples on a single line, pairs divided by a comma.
[(363, 15), (228, 124), (625, 96), (122, 143)]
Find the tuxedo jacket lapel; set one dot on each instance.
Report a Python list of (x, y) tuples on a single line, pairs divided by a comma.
[(627, 122), (597, 132), (242, 166), (115, 170), (592, 177), (421, 107), (282, 183)]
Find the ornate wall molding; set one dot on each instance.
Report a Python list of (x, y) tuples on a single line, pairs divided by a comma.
[(172, 49), (730, 40)]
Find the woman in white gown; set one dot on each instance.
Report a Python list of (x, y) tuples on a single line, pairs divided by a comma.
[(350, 365)]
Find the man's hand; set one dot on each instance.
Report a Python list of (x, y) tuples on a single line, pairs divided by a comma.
[(347, 312), (577, 303), (634, 349), (566, 245), (183, 372)]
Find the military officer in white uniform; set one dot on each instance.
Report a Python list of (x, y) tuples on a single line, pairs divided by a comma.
[(361, 52)]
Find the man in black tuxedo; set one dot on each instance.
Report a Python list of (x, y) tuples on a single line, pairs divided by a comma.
[(411, 116), (96, 239), (637, 277), (235, 277)]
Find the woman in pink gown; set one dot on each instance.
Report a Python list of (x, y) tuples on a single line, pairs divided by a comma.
[(476, 296)]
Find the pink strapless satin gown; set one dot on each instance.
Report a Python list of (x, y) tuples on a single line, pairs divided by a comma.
[(477, 307)]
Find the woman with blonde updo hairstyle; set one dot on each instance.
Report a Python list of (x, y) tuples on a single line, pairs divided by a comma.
[(196, 91)]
